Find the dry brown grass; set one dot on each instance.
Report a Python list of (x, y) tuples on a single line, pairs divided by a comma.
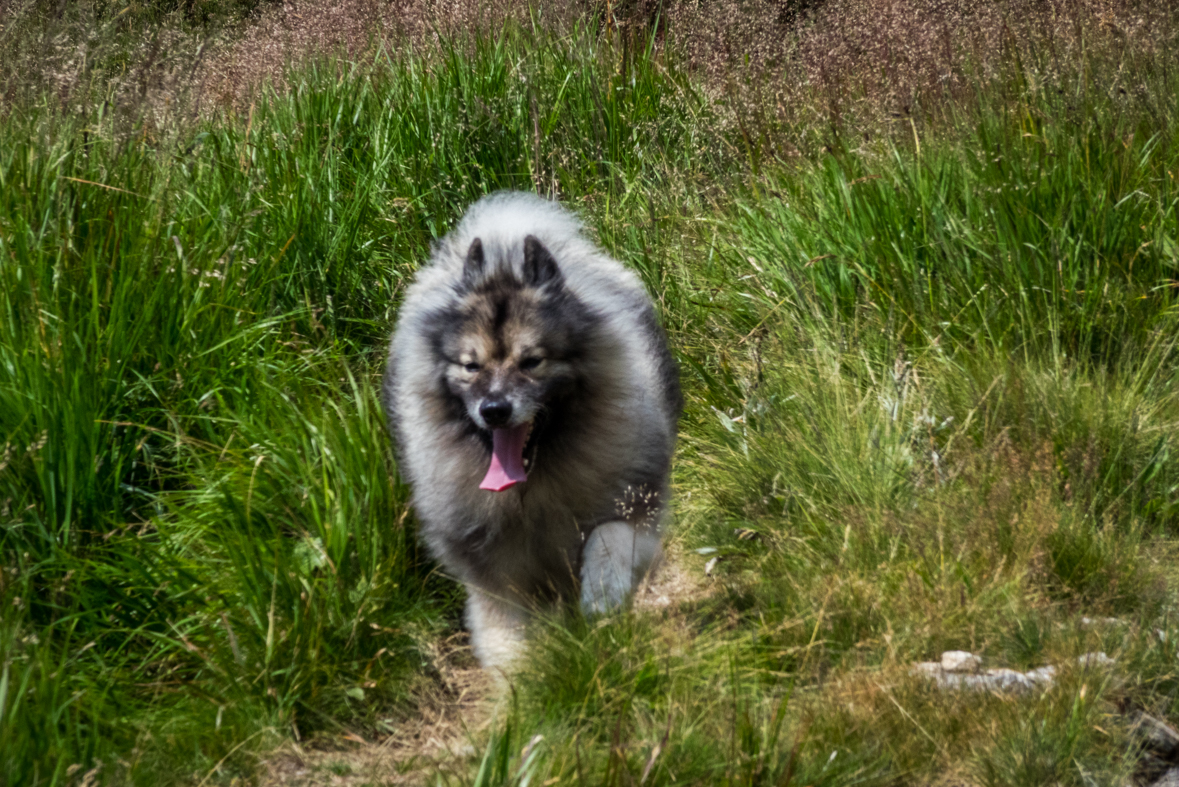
[(769, 66), (295, 32), (862, 65), (172, 69)]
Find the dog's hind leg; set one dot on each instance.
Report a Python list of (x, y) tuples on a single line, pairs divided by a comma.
[(497, 628), (615, 559)]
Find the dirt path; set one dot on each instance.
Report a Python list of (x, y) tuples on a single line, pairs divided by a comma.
[(445, 734), (452, 724)]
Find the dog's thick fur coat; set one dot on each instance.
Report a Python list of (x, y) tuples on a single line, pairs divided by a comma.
[(521, 328)]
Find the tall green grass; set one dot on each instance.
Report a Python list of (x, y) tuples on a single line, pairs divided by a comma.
[(1030, 234), (204, 534), (931, 388)]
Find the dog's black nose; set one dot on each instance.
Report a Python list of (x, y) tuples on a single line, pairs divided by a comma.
[(496, 412)]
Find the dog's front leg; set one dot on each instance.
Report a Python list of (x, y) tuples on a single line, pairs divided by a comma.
[(497, 628), (615, 559)]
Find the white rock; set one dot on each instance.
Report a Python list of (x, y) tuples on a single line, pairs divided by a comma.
[(950, 680), (1087, 622), (1042, 675), (1008, 680), (1168, 779), (930, 669), (1004, 681), (960, 681), (960, 661), (1098, 659), (1158, 736)]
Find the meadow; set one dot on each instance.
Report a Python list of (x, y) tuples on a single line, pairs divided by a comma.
[(926, 309)]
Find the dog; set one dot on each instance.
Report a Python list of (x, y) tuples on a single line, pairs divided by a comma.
[(534, 403)]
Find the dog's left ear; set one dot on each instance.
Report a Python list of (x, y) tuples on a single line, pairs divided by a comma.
[(473, 265), (539, 266)]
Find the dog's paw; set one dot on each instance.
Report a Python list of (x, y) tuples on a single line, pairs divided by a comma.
[(615, 558), (603, 591)]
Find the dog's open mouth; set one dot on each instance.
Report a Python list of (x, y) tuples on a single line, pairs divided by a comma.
[(508, 465)]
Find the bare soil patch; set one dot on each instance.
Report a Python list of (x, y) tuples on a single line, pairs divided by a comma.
[(442, 734), (448, 730)]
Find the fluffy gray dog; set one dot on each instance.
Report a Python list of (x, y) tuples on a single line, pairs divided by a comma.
[(534, 402)]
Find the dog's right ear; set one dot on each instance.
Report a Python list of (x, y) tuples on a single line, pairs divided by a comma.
[(473, 266), (539, 266)]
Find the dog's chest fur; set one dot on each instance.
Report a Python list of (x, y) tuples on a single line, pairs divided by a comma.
[(526, 541)]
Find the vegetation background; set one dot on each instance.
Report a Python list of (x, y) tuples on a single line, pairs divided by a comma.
[(917, 258)]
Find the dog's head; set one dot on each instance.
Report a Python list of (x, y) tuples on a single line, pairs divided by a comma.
[(512, 352)]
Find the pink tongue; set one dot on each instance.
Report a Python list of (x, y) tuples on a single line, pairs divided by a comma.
[(507, 458)]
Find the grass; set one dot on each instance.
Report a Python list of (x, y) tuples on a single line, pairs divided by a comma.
[(932, 405)]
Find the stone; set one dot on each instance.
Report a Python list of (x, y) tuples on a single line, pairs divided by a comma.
[(1155, 735), (1169, 779), (952, 680), (960, 661), (1087, 622), (1003, 681), (1150, 769), (1042, 676), (1098, 659), (930, 669), (1008, 681)]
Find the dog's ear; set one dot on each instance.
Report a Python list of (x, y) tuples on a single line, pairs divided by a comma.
[(473, 266), (539, 266)]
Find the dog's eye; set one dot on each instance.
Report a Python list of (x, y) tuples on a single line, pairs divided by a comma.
[(472, 367), (528, 364)]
